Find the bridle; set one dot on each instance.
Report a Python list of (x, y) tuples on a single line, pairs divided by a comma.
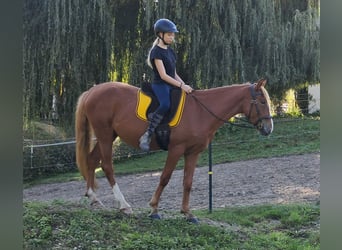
[(254, 102)]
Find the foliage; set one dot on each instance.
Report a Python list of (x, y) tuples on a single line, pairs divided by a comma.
[(73, 226), (36, 152), (34, 157), (69, 46), (43, 131)]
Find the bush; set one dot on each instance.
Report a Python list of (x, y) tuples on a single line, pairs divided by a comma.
[(48, 160), (47, 153)]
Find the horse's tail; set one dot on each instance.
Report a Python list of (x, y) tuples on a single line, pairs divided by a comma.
[(83, 132)]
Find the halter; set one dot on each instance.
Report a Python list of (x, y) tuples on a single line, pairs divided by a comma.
[(254, 102)]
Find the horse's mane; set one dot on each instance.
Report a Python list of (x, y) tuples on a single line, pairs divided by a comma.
[(215, 89), (235, 85), (264, 91)]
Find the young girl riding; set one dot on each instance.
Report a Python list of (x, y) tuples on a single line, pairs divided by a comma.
[(162, 59)]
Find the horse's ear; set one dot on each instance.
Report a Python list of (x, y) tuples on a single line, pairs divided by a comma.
[(260, 83)]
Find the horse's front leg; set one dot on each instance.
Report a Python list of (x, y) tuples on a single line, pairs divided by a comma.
[(171, 161), (189, 169)]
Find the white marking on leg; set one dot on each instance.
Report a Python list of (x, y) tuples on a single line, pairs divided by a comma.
[(119, 197), (92, 196)]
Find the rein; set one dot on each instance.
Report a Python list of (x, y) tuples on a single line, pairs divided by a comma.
[(253, 102), (220, 119)]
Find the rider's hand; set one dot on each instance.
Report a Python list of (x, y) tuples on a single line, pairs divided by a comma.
[(187, 88)]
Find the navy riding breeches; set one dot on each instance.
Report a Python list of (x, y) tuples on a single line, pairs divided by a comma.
[(162, 91)]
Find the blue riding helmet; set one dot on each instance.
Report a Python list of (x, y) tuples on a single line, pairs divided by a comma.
[(165, 25)]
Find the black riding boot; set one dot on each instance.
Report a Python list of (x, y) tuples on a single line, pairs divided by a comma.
[(145, 139)]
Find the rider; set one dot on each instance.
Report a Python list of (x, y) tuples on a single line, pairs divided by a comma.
[(162, 59)]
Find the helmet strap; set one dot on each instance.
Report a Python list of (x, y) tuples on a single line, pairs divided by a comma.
[(162, 38)]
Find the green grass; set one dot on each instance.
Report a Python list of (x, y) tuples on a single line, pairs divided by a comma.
[(231, 143), (65, 225)]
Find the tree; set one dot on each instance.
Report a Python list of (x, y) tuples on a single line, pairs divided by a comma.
[(67, 49), (71, 45)]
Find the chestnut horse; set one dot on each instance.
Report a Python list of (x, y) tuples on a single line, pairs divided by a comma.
[(108, 110)]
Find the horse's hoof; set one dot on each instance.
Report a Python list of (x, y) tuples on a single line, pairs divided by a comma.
[(155, 216), (193, 220), (97, 204), (126, 211)]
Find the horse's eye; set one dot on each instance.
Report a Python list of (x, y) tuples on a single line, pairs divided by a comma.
[(263, 102)]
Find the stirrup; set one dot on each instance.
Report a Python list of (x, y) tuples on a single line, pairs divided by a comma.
[(145, 140)]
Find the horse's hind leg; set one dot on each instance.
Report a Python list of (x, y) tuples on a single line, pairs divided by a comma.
[(93, 160), (107, 167)]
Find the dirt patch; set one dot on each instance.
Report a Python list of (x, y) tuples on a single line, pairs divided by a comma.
[(289, 179)]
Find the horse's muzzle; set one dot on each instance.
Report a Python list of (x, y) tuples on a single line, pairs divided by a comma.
[(265, 126)]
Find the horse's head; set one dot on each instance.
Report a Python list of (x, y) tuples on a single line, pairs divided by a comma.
[(259, 108)]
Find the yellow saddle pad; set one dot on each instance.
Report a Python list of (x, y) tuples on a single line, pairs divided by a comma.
[(144, 101)]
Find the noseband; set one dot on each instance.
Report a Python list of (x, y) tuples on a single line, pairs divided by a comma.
[(254, 102)]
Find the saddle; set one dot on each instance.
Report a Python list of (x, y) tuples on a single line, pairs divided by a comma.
[(147, 103)]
